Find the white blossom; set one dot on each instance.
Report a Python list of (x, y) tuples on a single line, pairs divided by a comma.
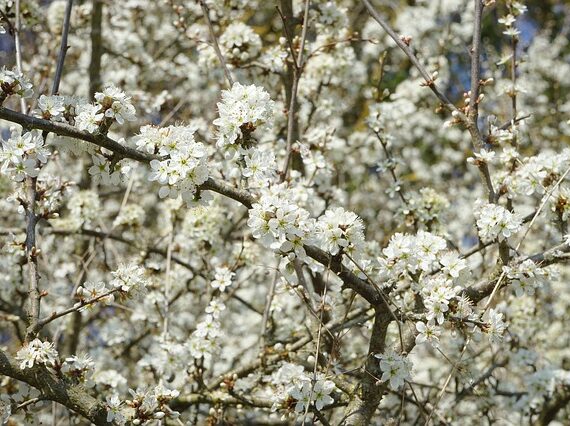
[(395, 368), (427, 332), (496, 222), (241, 111), (495, 326), (114, 103), (340, 230), (14, 82), (89, 117), (114, 410), (51, 107), (37, 352), (222, 279), (130, 279)]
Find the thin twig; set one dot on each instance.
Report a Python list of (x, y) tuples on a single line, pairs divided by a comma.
[(514, 43), (96, 48), (206, 12), (301, 58), (288, 37), (476, 63), (542, 204), (167, 284), (29, 402), (429, 80), (391, 167), (18, 48), (63, 48), (78, 306)]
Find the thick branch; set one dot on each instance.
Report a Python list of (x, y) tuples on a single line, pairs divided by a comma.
[(362, 407), (559, 253), (52, 388), (364, 289), (185, 401), (63, 129)]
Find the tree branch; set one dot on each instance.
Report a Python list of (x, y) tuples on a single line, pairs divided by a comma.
[(96, 48), (63, 48), (362, 407), (476, 63), (363, 288), (215, 44), (413, 59), (63, 129), (52, 388)]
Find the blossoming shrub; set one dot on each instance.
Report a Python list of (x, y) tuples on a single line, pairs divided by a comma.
[(329, 212)]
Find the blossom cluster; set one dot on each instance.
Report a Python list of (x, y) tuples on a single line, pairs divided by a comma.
[(535, 174), (298, 390), (51, 107), (184, 168), (242, 110), (517, 8), (427, 206), (148, 403), (494, 222), (130, 215), (13, 82), (495, 326), (239, 43), (222, 279), (204, 340), (105, 173), (396, 369), (111, 105), (130, 280), (79, 368), (340, 230), (280, 224), (258, 166), (37, 352), (438, 293), (421, 252), (115, 104), (307, 394), (91, 290), (526, 277), (23, 155), (152, 403)]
